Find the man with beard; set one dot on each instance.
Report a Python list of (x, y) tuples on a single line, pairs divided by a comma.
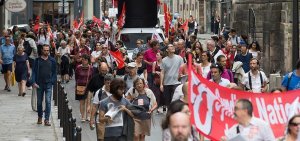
[(43, 78), (250, 128), (180, 127), (114, 115), (255, 80)]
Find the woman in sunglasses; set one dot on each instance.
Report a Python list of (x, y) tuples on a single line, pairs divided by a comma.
[(293, 129)]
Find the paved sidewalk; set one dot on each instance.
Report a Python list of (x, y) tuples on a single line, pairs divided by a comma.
[(18, 120)]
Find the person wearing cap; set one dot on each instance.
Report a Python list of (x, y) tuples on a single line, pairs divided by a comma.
[(131, 76), (7, 52), (244, 57), (100, 94)]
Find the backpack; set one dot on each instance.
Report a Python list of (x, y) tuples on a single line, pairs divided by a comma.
[(27, 47), (100, 94)]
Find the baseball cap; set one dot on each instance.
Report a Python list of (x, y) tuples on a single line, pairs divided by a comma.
[(131, 65)]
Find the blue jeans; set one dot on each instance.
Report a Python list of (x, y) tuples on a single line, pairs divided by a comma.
[(47, 90)]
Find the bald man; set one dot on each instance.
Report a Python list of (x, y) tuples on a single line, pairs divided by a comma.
[(180, 127)]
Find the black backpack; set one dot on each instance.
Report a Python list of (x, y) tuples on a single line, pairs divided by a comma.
[(27, 48)]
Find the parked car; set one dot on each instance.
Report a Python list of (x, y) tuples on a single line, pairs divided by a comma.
[(130, 35), (22, 27)]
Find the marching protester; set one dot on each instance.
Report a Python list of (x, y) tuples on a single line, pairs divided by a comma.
[(43, 38), (156, 79), (63, 53), (21, 69), (244, 57), (291, 80), (131, 76), (243, 111), (255, 80), (227, 74), (149, 58), (216, 71), (100, 94), (141, 66), (197, 51), (95, 55), (254, 49), (293, 129), (83, 73), (30, 47), (43, 78), (213, 50), (205, 65), (169, 74), (7, 51), (139, 95), (111, 110)]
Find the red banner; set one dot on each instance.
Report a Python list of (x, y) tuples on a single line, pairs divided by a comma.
[(212, 107)]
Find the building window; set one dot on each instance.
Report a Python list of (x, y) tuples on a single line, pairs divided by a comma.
[(180, 7), (196, 6), (187, 7), (193, 7)]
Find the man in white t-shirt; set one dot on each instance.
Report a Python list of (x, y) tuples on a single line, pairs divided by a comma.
[(255, 81), (213, 50), (216, 71)]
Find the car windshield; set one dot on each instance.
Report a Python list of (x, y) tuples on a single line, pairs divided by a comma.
[(129, 39)]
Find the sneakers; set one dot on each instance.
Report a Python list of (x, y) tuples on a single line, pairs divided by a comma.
[(47, 123), (39, 121), (7, 88)]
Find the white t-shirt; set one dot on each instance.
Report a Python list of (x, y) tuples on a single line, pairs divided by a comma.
[(223, 82), (95, 54), (205, 70), (256, 83), (63, 51), (96, 98), (257, 130)]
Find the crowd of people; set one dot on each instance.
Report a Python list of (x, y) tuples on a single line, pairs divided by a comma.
[(120, 94)]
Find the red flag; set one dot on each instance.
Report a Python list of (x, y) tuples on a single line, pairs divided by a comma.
[(80, 21), (118, 56), (96, 20), (36, 24), (75, 24), (121, 19), (185, 26), (167, 18), (49, 31)]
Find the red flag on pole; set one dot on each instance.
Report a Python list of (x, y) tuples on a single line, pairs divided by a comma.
[(49, 31), (167, 18), (96, 20), (80, 21), (185, 26), (118, 56), (121, 19), (36, 24)]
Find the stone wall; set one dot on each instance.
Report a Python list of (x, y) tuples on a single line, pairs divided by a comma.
[(273, 30)]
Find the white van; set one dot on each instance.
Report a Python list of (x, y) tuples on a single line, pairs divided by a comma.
[(130, 35)]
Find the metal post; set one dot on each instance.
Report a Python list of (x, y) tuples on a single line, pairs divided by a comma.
[(65, 117), (295, 32), (2, 18), (69, 124), (73, 127), (78, 133)]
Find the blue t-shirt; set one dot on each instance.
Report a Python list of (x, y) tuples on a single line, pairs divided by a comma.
[(294, 81), (245, 59), (7, 52)]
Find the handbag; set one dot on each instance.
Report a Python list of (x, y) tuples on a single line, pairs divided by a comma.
[(13, 79), (80, 90)]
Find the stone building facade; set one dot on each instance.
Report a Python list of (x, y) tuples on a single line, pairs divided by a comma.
[(273, 30)]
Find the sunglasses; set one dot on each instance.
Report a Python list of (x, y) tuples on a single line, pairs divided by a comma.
[(294, 124)]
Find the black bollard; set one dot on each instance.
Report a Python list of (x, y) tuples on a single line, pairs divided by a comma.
[(69, 124), (55, 92), (73, 128), (65, 118), (78, 133)]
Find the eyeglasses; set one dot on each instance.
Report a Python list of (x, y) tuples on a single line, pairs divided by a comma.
[(237, 108), (294, 124)]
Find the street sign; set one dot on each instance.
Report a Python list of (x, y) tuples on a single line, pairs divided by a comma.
[(15, 5)]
